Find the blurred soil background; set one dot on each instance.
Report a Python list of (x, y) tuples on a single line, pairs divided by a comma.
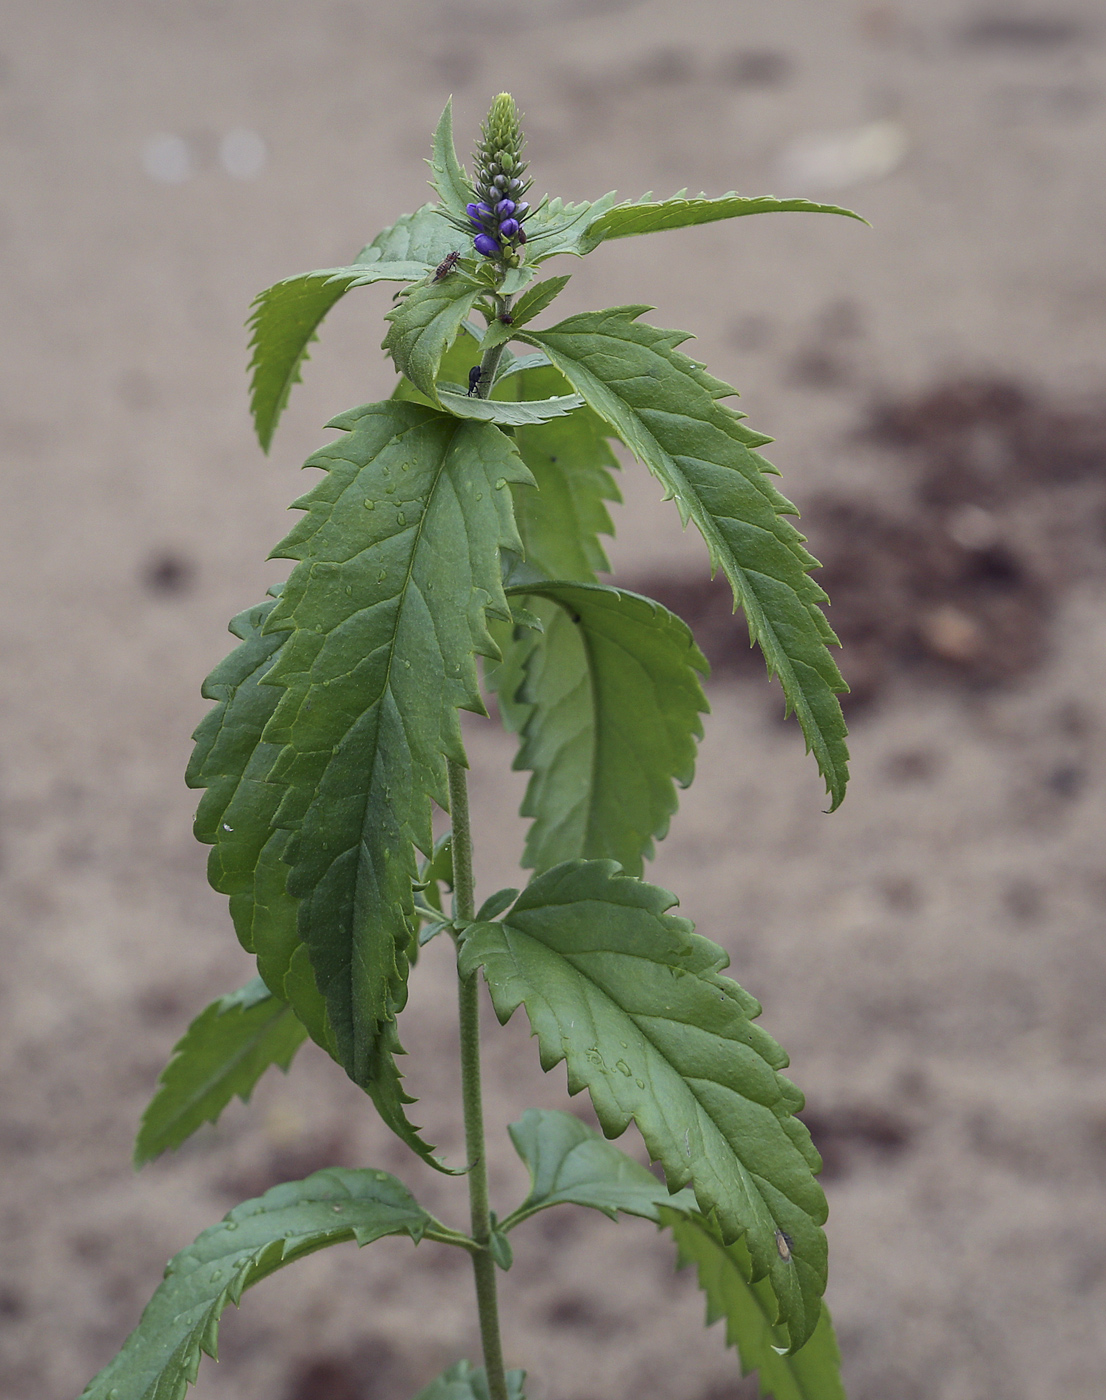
[(932, 955)]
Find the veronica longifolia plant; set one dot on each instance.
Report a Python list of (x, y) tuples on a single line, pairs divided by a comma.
[(461, 518)]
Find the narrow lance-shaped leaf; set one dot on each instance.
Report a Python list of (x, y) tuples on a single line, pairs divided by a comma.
[(572, 464), (532, 411), (286, 316), (224, 1052), (449, 179), (580, 228), (634, 1003), (749, 1310), (665, 408), (399, 565), (612, 700), (570, 1164), (649, 215), (236, 817), (161, 1357)]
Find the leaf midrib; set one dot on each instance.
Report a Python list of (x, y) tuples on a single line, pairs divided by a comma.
[(568, 958), (718, 549)]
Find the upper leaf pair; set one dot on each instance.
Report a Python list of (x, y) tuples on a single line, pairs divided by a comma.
[(286, 316)]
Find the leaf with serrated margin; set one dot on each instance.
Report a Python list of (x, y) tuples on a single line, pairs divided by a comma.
[(635, 1003), (570, 1164), (571, 462), (556, 227), (649, 215), (665, 407), (425, 324), (161, 1357), (450, 181), (285, 317), (536, 298), (749, 1308), (464, 1381), (612, 696), (230, 761), (224, 1052), (236, 817), (386, 611)]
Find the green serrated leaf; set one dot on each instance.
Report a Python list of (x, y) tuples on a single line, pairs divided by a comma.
[(463, 1381), (556, 227), (236, 816), (572, 463), (286, 317), (634, 1003), (409, 520), (534, 301), (570, 1164), (648, 215), (749, 1309), (161, 1357), (665, 408), (224, 1052), (608, 702), (425, 324), (450, 180), (510, 414)]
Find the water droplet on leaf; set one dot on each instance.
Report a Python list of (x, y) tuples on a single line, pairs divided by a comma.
[(370, 505), (623, 1068), (401, 519)]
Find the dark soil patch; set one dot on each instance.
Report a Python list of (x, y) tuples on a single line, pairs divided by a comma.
[(1008, 510)]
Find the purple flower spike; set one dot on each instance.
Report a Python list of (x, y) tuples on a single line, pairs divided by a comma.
[(487, 245), (504, 209), (508, 228)]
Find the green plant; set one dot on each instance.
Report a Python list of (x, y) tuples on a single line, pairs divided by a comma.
[(461, 518)]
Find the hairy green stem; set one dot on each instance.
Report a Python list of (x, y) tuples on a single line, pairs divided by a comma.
[(487, 1302), (489, 362)]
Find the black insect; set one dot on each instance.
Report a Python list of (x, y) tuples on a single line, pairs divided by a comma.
[(474, 379), (446, 266), (507, 320)]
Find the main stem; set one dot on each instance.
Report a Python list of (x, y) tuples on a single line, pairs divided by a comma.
[(483, 1265)]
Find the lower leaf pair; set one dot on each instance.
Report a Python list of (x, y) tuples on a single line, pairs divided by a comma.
[(569, 1164)]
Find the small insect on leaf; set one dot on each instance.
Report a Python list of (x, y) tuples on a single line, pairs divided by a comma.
[(783, 1245), (446, 266), (475, 375)]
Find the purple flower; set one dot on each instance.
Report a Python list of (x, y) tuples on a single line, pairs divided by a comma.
[(473, 211), (487, 245), (504, 209), (508, 228)]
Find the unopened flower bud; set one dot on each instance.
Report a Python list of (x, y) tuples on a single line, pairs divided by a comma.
[(501, 182), (504, 209), (508, 228), (485, 244)]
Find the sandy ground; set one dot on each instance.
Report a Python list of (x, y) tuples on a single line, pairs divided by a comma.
[(932, 955)]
